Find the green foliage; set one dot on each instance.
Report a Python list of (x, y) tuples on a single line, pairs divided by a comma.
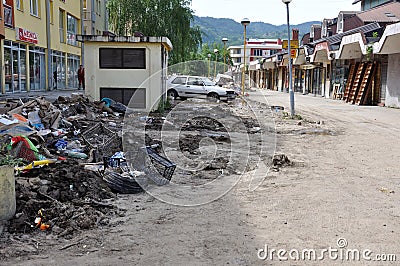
[(375, 34), (170, 18), (9, 160), (286, 115)]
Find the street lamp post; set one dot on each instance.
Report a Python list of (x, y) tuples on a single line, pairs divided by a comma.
[(291, 92), (209, 65), (245, 22), (215, 66), (224, 40)]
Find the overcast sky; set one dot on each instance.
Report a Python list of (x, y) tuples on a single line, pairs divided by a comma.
[(272, 11)]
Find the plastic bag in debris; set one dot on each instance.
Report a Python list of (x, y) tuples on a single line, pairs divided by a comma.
[(61, 144), (116, 159), (115, 106)]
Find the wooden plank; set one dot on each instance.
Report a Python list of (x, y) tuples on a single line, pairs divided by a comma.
[(356, 83), (350, 80), (366, 80)]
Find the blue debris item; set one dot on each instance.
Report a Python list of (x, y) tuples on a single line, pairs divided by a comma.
[(108, 101), (18, 130), (116, 159), (38, 126), (61, 145)]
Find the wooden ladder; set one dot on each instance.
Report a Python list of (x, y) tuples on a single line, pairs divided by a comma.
[(365, 84), (356, 83), (350, 79)]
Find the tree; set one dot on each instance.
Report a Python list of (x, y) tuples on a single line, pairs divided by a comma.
[(170, 18)]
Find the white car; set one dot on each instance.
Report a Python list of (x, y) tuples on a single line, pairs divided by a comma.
[(197, 87)]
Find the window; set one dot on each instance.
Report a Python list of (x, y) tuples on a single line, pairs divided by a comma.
[(72, 27), (128, 58), (8, 16), (98, 7), (194, 81), (179, 80), (19, 5), (134, 97), (84, 4), (35, 7), (51, 13), (62, 23), (258, 52), (340, 23)]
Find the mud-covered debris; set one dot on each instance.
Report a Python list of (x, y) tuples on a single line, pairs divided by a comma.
[(279, 161)]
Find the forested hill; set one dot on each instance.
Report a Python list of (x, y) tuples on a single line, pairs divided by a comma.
[(214, 29)]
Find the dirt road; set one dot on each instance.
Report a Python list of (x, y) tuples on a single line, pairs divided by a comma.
[(343, 185)]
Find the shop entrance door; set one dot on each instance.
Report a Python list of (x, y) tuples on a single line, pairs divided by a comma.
[(14, 67)]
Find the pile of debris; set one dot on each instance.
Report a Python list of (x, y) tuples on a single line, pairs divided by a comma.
[(64, 197), (51, 140)]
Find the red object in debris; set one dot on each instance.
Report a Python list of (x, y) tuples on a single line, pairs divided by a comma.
[(61, 158)]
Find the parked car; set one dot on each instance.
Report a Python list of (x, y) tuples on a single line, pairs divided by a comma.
[(197, 87)]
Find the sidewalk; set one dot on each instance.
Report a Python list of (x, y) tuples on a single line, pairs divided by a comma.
[(49, 95)]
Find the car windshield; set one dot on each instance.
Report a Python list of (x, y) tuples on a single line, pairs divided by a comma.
[(208, 82)]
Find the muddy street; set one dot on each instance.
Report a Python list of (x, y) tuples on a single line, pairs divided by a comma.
[(334, 177)]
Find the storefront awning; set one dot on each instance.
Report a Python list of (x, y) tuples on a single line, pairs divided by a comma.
[(321, 53), (301, 57), (352, 46), (269, 64), (389, 43)]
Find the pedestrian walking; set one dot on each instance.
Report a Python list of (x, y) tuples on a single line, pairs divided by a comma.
[(81, 77), (55, 80)]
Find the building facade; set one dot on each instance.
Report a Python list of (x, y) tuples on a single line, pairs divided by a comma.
[(94, 17), (127, 69), (353, 57), (39, 50)]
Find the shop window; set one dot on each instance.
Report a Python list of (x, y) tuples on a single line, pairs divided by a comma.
[(37, 68), (73, 63), (122, 58), (34, 7), (72, 26), (61, 26)]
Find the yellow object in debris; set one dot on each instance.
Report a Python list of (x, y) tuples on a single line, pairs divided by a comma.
[(35, 164)]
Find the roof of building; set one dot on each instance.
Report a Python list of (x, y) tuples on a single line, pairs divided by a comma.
[(125, 39), (386, 13), (337, 38)]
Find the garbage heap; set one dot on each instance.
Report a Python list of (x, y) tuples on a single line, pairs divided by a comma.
[(51, 146)]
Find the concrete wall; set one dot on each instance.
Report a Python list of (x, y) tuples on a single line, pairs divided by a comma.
[(393, 84), (97, 78)]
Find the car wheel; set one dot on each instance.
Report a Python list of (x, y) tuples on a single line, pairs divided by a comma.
[(213, 96), (172, 94)]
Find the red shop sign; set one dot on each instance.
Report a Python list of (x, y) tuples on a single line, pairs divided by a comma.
[(26, 36)]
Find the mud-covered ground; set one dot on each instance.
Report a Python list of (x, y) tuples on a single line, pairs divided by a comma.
[(340, 183)]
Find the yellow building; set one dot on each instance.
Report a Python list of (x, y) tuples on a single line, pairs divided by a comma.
[(40, 50)]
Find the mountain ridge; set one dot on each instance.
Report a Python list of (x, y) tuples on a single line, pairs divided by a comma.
[(214, 29)]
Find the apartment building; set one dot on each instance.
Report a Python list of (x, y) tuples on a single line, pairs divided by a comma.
[(94, 16), (39, 50)]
